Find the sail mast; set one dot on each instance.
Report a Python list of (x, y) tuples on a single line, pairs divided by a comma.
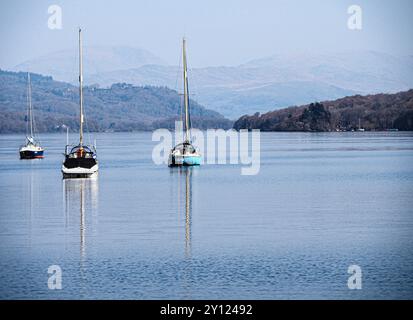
[(185, 91), (81, 87), (29, 94)]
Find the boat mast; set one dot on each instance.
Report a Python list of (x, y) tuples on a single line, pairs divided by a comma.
[(185, 91), (81, 87), (29, 97)]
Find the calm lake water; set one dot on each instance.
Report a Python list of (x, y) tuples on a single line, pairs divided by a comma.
[(320, 203)]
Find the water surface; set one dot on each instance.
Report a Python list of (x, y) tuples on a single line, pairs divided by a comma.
[(320, 203)]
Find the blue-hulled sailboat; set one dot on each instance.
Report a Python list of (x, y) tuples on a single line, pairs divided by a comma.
[(185, 154)]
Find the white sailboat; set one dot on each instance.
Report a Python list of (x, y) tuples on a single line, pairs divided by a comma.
[(185, 154), (31, 149), (80, 160), (360, 129)]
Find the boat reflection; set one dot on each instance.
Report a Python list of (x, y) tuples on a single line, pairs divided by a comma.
[(81, 195), (185, 201), (32, 200)]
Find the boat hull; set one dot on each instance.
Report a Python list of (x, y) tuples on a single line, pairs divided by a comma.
[(184, 160), (86, 163), (31, 154), (80, 163), (79, 172)]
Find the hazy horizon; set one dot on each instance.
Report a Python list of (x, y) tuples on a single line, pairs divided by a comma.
[(227, 33)]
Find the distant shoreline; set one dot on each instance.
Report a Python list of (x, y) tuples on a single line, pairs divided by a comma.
[(379, 112), (262, 131)]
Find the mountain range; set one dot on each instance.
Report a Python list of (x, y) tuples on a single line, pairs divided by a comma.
[(259, 85), (63, 65)]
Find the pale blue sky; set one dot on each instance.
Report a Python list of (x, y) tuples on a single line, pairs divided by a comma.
[(219, 32)]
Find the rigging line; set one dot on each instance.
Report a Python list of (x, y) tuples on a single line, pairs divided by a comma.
[(73, 93), (185, 78), (85, 122), (35, 132), (189, 113), (30, 105), (188, 99), (178, 90), (83, 88), (28, 108), (178, 73), (75, 73), (194, 83), (85, 117), (181, 103)]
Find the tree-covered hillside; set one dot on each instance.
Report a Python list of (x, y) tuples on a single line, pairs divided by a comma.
[(372, 112), (122, 107)]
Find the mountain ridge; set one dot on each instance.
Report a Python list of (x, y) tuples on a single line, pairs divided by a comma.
[(271, 82), (63, 64)]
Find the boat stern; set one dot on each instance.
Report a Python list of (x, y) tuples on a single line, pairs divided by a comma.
[(176, 160), (79, 172)]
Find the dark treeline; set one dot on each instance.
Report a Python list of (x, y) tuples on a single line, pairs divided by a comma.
[(372, 112)]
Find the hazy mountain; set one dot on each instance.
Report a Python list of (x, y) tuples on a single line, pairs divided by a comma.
[(232, 91), (371, 112), (278, 81), (63, 65), (367, 71), (270, 83), (122, 107)]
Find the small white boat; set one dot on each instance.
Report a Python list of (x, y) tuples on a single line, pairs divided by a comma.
[(80, 160), (360, 129), (185, 154), (31, 149)]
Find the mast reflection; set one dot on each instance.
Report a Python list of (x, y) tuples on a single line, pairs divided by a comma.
[(188, 210), (32, 185), (81, 195), (185, 201)]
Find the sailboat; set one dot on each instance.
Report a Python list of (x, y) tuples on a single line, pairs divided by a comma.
[(185, 154), (360, 128), (80, 160), (31, 149)]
